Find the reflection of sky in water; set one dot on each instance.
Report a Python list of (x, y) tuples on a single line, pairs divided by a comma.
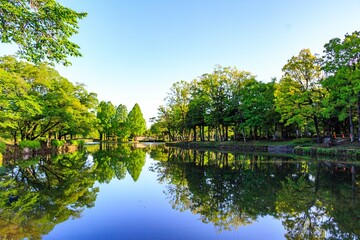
[(140, 210)]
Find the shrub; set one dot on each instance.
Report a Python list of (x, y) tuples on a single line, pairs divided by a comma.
[(32, 144), (57, 143), (2, 147)]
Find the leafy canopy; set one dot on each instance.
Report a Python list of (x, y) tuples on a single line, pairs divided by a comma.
[(41, 29)]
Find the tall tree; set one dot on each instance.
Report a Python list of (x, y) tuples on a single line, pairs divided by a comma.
[(105, 114), (41, 28), (257, 106), (119, 125), (136, 122), (341, 62), (299, 93), (177, 101)]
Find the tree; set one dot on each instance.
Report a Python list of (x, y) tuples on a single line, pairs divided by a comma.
[(105, 113), (196, 114), (341, 62), (257, 106), (299, 93), (177, 101), (37, 102), (158, 130), (41, 28), (217, 86), (136, 122), (119, 125)]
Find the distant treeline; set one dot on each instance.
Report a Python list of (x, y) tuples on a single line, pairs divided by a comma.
[(316, 96)]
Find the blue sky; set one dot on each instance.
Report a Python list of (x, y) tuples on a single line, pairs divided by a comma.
[(135, 50)]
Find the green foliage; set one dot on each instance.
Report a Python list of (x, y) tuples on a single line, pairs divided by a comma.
[(299, 95), (36, 101), (342, 63), (227, 98), (228, 101), (2, 147), (58, 143), (119, 122), (41, 28), (30, 144), (135, 121), (105, 114)]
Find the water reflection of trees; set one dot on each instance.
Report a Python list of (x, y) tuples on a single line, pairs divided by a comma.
[(115, 161), (313, 200), (39, 193)]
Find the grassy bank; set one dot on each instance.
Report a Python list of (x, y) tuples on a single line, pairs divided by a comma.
[(297, 146)]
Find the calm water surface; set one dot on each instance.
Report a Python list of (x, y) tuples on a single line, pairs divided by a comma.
[(153, 192)]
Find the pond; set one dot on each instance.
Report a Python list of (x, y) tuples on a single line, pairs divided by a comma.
[(154, 192)]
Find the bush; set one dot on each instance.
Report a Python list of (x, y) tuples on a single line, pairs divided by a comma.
[(57, 143), (2, 147), (30, 144)]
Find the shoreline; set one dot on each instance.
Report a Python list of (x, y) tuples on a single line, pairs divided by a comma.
[(277, 147)]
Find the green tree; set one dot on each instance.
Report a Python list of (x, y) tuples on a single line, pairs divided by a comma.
[(158, 130), (37, 102), (15, 103), (299, 93), (196, 116), (177, 102), (256, 102), (41, 28), (341, 62), (119, 124), (105, 114), (136, 122), (217, 86)]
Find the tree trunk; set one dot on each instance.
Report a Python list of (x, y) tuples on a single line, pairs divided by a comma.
[(226, 133), (358, 111), (243, 133), (195, 133), (202, 133), (216, 133), (318, 137), (209, 130), (351, 125), (15, 139)]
